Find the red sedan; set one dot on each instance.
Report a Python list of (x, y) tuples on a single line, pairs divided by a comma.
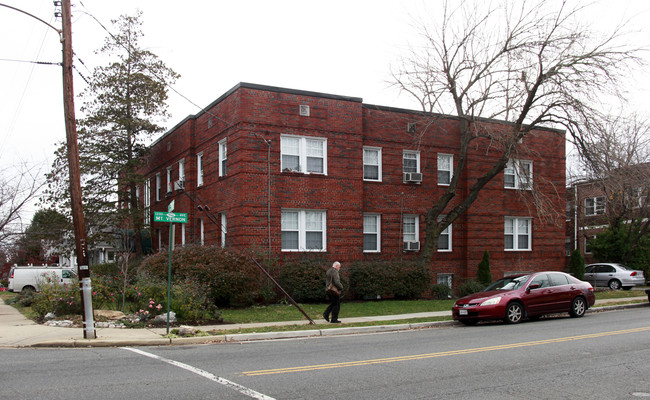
[(518, 297)]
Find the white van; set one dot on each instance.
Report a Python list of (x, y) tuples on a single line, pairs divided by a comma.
[(30, 278)]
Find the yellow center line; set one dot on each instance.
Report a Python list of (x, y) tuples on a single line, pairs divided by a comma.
[(442, 354)]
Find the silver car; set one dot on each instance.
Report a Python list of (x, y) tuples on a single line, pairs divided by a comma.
[(613, 275)]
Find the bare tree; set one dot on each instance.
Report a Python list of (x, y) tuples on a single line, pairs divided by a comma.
[(618, 164), (533, 65), (19, 186)]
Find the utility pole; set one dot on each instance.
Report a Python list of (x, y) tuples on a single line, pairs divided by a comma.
[(78, 222)]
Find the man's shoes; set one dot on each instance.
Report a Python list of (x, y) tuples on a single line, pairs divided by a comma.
[(335, 322), (327, 318)]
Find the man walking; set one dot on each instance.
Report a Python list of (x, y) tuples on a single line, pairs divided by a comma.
[(334, 289)]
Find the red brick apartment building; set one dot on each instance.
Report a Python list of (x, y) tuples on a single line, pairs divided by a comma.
[(293, 172)]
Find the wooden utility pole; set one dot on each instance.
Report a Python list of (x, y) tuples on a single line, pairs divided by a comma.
[(78, 222)]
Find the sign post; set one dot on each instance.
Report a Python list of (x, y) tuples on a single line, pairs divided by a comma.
[(170, 217)]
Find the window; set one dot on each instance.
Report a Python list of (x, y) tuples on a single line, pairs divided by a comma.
[(170, 184), (411, 228), (158, 187), (201, 232), (411, 161), (444, 240), (517, 233), (199, 169), (302, 154), (224, 229), (595, 205), (303, 230), (181, 169), (445, 279), (445, 168), (518, 174), (147, 202), (371, 233), (182, 235), (588, 241), (372, 164), (223, 157)]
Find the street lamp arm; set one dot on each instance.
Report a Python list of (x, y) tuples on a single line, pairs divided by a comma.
[(33, 16)]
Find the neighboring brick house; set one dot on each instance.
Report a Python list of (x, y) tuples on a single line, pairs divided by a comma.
[(593, 203), (289, 172)]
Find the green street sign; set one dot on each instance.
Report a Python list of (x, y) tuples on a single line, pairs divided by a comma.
[(159, 216)]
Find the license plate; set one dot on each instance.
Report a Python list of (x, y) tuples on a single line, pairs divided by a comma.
[(462, 312)]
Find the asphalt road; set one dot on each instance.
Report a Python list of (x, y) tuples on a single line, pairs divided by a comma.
[(603, 355)]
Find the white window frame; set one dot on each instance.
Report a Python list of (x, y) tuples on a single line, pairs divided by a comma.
[(158, 187), (366, 163), (170, 184), (448, 232), (598, 206), (441, 168), (520, 178), (445, 279), (181, 169), (302, 153), (224, 229), (182, 235), (413, 236), (513, 228), (223, 157), (199, 169), (377, 232), (411, 153), (301, 229)]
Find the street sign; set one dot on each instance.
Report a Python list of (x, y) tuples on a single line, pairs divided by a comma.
[(159, 216)]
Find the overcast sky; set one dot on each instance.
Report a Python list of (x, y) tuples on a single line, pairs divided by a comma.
[(339, 47)]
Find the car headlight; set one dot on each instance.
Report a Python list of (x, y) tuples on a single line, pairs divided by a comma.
[(492, 301)]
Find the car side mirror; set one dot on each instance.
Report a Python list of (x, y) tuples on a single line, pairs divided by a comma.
[(533, 286)]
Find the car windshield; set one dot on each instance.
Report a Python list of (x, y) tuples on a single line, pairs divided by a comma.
[(508, 283)]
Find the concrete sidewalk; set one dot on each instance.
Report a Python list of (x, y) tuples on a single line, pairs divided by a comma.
[(17, 331)]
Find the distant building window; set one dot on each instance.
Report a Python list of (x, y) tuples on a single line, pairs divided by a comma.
[(445, 168), (595, 205), (303, 230), (371, 233), (223, 157), (199, 169), (518, 174), (303, 154), (170, 184), (147, 202), (411, 161), (517, 233), (201, 232), (158, 187), (445, 279), (224, 229), (181, 169), (372, 163)]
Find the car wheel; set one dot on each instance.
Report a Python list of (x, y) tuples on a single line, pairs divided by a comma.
[(514, 313), (578, 307), (29, 289), (614, 284), (469, 322)]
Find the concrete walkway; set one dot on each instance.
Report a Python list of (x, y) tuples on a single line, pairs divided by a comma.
[(17, 331)]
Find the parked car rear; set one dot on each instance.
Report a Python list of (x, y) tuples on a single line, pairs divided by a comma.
[(613, 275)]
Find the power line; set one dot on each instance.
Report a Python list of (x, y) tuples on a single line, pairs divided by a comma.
[(32, 62)]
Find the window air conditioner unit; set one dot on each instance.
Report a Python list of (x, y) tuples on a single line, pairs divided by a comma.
[(179, 185), (411, 246), (414, 177)]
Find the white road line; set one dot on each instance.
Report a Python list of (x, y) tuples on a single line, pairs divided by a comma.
[(241, 389)]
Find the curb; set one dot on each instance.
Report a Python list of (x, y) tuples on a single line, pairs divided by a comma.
[(246, 337)]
